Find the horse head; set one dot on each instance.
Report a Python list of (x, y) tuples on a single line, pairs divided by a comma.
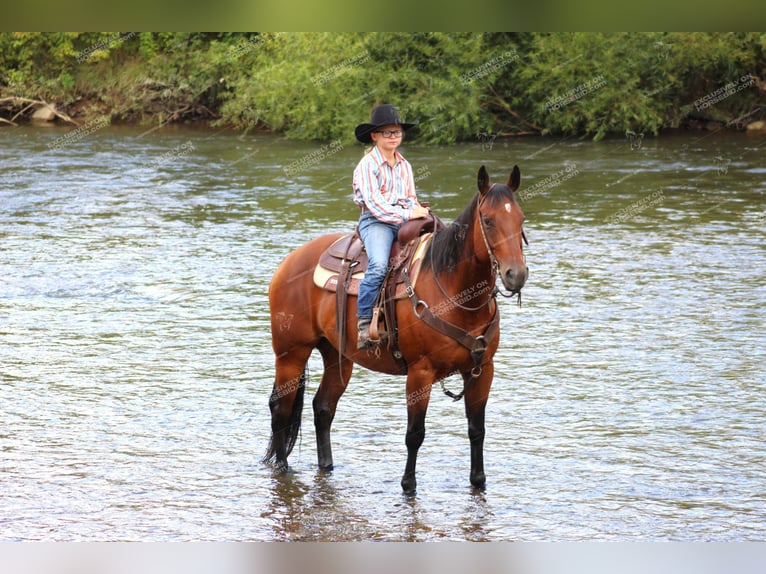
[(499, 229)]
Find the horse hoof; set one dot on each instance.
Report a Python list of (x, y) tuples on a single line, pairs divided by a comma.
[(479, 481), (409, 484)]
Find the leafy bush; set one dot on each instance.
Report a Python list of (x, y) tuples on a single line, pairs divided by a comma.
[(602, 83)]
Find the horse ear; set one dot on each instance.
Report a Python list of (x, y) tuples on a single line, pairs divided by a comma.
[(514, 180), (483, 180)]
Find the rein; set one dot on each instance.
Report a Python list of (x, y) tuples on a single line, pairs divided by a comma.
[(476, 345)]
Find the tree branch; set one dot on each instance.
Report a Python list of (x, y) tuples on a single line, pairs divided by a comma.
[(15, 101), (500, 101)]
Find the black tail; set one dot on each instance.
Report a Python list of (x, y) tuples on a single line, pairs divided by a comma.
[(293, 428)]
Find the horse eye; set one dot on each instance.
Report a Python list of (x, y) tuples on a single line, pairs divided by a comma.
[(487, 222)]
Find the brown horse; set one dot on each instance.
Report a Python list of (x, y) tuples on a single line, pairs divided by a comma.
[(449, 324)]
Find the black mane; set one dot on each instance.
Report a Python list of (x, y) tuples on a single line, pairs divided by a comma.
[(447, 245)]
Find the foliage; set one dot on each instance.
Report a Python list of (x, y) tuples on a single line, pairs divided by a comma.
[(320, 85), (35, 61), (606, 83)]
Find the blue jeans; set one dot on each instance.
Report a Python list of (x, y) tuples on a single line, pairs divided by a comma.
[(377, 238)]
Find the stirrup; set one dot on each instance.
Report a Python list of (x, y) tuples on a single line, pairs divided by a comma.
[(373, 328)]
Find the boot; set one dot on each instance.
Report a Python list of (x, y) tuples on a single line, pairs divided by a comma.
[(363, 337)]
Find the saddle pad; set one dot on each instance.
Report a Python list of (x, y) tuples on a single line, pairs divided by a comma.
[(417, 260), (328, 279)]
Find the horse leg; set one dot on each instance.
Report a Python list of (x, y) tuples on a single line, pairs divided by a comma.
[(418, 395), (476, 395), (337, 372), (286, 405)]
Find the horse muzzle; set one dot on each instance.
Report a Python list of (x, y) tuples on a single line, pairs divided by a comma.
[(514, 278)]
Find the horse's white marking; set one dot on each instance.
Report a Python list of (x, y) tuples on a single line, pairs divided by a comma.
[(508, 207)]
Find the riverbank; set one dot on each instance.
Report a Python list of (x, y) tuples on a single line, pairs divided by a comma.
[(84, 113), (124, 94)]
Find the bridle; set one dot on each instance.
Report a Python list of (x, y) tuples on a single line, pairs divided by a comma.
[(477, 345), (493, 261)]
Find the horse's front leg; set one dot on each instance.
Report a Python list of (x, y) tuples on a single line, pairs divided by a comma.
[(419, 385), (476, 395)]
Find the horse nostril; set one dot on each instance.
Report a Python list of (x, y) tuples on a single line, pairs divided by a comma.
[(515, 278)]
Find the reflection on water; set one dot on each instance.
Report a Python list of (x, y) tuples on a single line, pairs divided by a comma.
[(286, 506), (135, 355)]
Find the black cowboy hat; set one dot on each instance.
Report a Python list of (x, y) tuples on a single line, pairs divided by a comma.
[(382, 115)]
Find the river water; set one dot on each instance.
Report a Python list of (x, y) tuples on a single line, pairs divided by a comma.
[(136, 367)]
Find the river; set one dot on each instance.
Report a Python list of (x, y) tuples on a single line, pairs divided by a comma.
[(136, 366)]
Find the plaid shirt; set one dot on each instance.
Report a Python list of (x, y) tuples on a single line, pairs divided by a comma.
[(388, 192)]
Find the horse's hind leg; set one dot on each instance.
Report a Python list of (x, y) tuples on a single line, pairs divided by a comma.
[(286, 404), (337, 372)]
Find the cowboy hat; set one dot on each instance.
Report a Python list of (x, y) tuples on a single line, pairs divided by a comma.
[(382, 115)]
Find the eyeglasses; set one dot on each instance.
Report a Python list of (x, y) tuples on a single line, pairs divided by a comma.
[(390, 133)]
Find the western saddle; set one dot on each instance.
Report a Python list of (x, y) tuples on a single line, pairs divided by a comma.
[(342, 265)]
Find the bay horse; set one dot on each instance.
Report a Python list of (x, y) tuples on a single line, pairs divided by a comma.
[(448, 324)]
